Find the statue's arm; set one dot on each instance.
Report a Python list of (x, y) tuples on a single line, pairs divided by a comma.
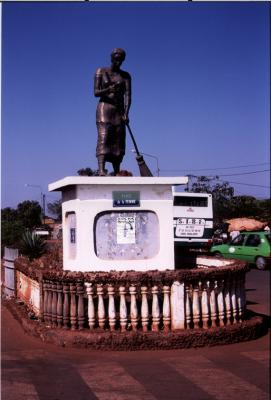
[(98, 89), (127, 96)]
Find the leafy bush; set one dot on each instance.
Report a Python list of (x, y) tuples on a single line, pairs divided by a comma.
[(27, 215), (32, 245), (11, 234)]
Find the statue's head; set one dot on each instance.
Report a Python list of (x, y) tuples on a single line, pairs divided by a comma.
[(118, 56)]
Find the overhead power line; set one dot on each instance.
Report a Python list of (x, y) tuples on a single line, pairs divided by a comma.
[(218, 168), (246, 173), (246, 184), (218, 176), (236, 183)]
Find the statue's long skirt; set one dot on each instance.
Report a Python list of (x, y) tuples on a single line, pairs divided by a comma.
[(111, 132)]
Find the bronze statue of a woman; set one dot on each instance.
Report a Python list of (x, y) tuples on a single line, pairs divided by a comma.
[(113, 86)]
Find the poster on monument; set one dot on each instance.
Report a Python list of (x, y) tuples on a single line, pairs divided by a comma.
[(126, 230)]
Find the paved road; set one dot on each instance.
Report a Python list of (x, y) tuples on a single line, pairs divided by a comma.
[(32, 370)]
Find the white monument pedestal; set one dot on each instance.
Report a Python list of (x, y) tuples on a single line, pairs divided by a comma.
[(117, 223)]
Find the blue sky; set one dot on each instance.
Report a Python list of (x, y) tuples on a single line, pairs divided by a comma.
[(200, 76)]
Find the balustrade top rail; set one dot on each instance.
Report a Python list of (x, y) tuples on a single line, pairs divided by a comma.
[(148, 278)]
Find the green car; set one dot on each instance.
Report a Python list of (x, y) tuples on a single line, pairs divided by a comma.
[(253, 247)]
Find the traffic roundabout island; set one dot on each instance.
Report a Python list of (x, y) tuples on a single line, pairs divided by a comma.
[(250, 329), (204, 305)]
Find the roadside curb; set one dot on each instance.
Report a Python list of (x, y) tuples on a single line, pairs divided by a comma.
[(250, 329)]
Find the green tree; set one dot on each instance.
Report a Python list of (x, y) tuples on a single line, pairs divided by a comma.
[(9, 214), (30, 214), (14, 222), (245, 206), (201, 185), (55, 208), (265, 210), (11, 233)]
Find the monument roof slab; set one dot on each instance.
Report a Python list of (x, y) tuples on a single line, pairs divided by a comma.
[(116, 180)]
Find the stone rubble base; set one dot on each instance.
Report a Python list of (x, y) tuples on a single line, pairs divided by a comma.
[(251, 329)]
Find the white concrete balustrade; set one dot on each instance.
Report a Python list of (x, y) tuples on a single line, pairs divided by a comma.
[(179, 306)]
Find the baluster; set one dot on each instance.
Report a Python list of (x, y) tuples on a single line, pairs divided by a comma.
[(91, 310), (54, 304), (213, 303), (144, 309), (123, 309), (220, 303), (242, 296), (177, 306), (101, 310), (45, 301), (133, 311), (196, 306), (243, 293), (205, 306), (234, 300), (73, 316), (59, 305), (166, 308), (111, 307), (239, 298), (227, 301), (187, 307), (41, 297), (49, 302), (66, 306), (81, 314), (155, 309)]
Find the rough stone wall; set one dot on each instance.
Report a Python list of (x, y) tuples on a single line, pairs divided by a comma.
[(50, 270)]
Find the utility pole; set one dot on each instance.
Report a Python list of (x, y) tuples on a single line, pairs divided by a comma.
[(43, 207)]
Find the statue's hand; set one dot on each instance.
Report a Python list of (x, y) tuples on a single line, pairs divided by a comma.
[(111, 89), (114, 87), (125, 119)]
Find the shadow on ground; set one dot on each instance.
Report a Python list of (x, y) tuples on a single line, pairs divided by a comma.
[(252, 314)]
